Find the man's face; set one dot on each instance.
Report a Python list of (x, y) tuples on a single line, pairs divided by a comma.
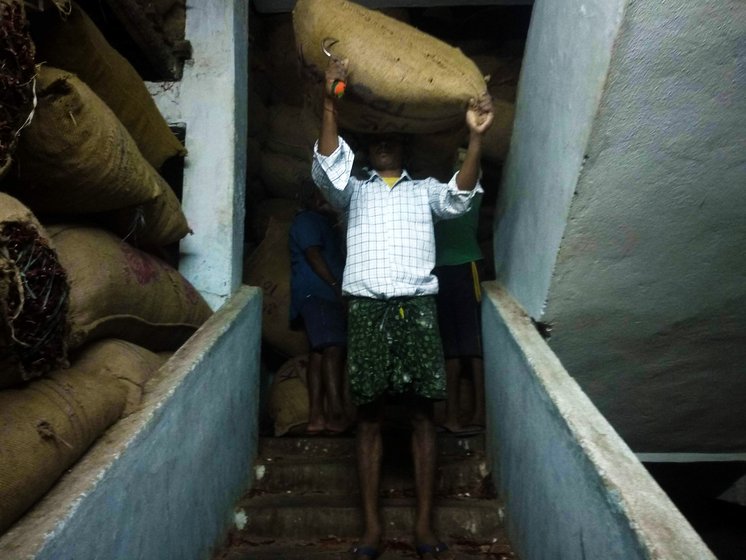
[(385, 152)]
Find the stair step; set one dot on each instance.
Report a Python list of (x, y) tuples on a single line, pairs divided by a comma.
[(328, 549), (311, 515), (344, 446), (459, 476)]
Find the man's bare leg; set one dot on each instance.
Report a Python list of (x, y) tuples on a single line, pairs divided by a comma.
[(453, 395), (369, 454), (315, 396), (478, 417), (332, 371), (424, 458)]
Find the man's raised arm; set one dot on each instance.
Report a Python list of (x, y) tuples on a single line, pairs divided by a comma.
[(479, 116), (328, 136)]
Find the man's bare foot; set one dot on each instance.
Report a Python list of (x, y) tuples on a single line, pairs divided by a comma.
[(337, 424), (430, 547), (368, 547), (452, 426), (315, 426)]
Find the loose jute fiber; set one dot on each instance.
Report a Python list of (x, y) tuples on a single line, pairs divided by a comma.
[(33, 297)]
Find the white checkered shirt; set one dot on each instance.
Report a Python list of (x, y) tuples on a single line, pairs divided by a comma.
[(390, 240)]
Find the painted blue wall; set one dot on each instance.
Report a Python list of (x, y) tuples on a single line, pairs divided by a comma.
[(571, 486)]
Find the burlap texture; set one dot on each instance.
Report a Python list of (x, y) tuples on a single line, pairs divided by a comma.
[(281, 209), (76, 157), (292, 131), (282, 175), (400, 79), (117, 291), (75, 44), (33, 297), (130, 364), (158, 222), (45, 427), (288, 397), (497, 138), (268, 267)]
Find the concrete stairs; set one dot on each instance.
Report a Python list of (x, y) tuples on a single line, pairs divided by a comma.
[(304, 503)]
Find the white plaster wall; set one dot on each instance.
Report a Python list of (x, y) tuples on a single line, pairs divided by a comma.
[(212, 100), (564, 69), (572, 488), (648, 298)]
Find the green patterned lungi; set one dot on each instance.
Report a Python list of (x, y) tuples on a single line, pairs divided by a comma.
[(394, 348)]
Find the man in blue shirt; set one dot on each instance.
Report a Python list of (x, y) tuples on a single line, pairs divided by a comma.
[(317, 263)]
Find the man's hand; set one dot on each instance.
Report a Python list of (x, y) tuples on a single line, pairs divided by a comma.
[(479, 114), (336, 71)]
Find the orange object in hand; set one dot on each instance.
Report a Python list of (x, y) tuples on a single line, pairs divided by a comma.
[(338, 88)]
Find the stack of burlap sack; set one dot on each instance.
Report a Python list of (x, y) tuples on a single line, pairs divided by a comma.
[(400, 79), (88, 312)]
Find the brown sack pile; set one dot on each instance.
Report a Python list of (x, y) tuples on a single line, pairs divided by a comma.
[(156, 223), (400, 79), (75, 156), (16, 77), (288, 399), (75, 44), (269, 268), (130, 364), (33, 297), (118, 291), (45, 427)]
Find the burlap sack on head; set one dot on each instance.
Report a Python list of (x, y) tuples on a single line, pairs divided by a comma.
[(400, 78), (130, 364), (45, 427), (268, 267), (117, 291), (76, 157), (288, 398), (75, 44), (33, 297)]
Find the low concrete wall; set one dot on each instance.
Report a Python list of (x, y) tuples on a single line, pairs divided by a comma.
[(161, 483), (571, 486)]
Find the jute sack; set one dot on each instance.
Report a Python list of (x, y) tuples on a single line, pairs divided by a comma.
[(288, 397), (155, 223), (434, 155), (400, 79), (497, 138), (33, 297), (45, 427), (281, 209), (76, 157), (117, 291), (282, 65), (292, 131), (17, 72), (268, 267), (75, 44), (282, 175), (130, 364)]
